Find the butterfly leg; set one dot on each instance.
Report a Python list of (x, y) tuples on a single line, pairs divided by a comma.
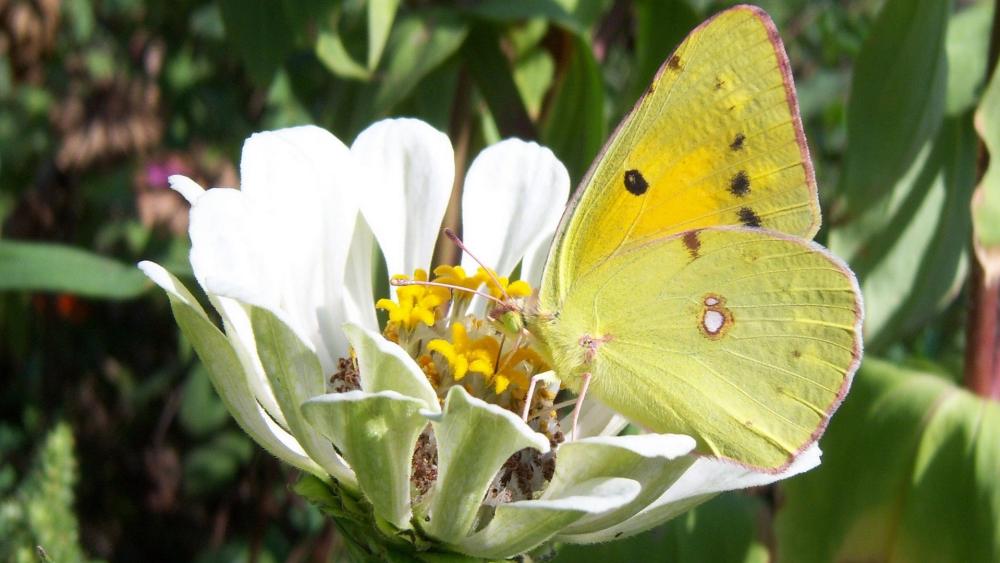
[(579, 402), (527, 398)]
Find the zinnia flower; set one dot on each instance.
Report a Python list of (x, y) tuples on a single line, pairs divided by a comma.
[(415, 436)]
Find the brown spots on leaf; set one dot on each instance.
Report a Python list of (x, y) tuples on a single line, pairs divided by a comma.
[(749, 217), (737, 143), (715, 320), (693, 243), (635, 183), (797, 354), (674, 63), (739, 185)]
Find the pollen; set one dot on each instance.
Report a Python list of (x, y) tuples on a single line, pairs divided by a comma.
[(465, 355), (516, 289), (417, 304)]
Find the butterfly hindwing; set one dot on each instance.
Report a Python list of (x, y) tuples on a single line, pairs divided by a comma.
[(717, 140), (743, 338)]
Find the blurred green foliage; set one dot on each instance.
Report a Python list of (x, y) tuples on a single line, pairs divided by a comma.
[(37, 519), (100, 101)]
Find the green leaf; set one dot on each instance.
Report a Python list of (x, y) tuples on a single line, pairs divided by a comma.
[(909, 251), (574, 15), (909, 248), (201, 411), (967, 46), (723, 529), (330, 51), (896, 101), (494, 79), (34, 266), (381, 13), (40, 513), (211, 466), (926, 453), (417, 45), (261, 33), (574, 127)]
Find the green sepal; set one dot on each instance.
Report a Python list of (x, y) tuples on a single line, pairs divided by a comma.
[(376, 434), (474, 439)]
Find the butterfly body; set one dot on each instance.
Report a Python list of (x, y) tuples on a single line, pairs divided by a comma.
[(682, 277)]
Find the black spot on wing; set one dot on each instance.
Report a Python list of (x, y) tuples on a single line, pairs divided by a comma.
[(749, 217), (674, 63), (693, 243), (635, 183), (737, 143), (739, 185)]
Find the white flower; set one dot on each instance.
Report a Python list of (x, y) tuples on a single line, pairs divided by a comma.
[(421, 424)]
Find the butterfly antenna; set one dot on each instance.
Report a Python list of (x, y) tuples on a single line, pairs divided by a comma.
[(400, 283), (458, 242)]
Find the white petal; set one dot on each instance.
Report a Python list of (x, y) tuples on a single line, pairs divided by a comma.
[(358, 297), (515, 192), (224, 252), (533, 264), (706, 478), (187, 187), (596, 419), (407, 171), (300, 182)]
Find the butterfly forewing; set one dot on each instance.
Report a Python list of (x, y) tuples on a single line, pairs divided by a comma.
[(717, 140)]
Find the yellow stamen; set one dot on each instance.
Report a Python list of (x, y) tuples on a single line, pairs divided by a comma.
[(465, 355), (519, 288)]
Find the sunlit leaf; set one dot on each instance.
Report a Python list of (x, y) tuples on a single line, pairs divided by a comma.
[(34, 266), (495, 81), (896, 99), (909, 247), (909, 252), (381, 14), (574, 127), (909, 474), (417, 46), (331, 52)]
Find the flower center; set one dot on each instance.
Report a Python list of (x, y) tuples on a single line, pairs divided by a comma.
[(456, 341)]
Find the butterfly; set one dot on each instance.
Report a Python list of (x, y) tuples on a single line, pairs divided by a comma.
[(683, 288)]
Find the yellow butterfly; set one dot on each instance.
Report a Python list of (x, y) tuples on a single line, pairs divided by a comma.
[(683, 288)]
